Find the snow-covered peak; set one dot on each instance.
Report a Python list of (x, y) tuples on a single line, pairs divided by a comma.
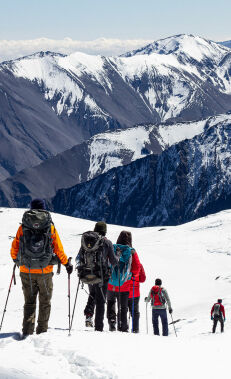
[(182, 65), (38, 55), (54, 73), (42, 65), (193, 46)]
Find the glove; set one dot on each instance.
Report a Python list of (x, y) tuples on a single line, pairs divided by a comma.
[(211, 317), (146, 299), (170, 311), (16, 262), (69, 266)]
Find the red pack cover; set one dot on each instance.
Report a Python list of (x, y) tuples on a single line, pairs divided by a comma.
[(156, 295)]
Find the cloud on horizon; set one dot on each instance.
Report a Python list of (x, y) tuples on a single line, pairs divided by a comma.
[(13, 49)]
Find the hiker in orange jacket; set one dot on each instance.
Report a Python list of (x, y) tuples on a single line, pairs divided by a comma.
[(38, 280)]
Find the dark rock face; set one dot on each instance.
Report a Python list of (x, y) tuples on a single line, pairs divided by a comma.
[(189, 180), (76, 165), (29, 130)]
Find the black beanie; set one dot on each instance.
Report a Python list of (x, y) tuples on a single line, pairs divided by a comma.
[(37, 204), (101, 227), (158, 282), (219, 301)]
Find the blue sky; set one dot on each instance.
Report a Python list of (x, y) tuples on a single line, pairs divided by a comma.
[(127, 19), (105, 27)]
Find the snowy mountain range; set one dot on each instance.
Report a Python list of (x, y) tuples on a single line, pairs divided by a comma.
[(51, 102), (188, 180), (68, 120), (92, 158)]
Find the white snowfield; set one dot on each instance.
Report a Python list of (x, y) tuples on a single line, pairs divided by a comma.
[(193, 261)]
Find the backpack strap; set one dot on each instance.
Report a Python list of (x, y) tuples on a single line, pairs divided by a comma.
[(101, 271)]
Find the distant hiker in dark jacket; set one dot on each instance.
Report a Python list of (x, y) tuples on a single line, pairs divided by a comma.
[(133, 302), (36, 280), (97, 295), (121, 294), (159, 297), (218, 314)]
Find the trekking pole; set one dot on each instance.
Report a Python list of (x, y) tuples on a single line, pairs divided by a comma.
[(12, 279), (119, 304), (147, 317), (73, 312), (133, 293), (69, 298), (173, 326)]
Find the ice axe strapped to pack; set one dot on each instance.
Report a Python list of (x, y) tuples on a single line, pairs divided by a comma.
[(91, 264)]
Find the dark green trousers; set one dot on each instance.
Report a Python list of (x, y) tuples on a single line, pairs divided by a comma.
[(41, 285)]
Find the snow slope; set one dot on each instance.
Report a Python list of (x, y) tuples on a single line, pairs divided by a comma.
[(192, 259)]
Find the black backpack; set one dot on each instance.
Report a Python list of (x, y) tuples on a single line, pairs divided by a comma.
[(35, 247), (91, 264)]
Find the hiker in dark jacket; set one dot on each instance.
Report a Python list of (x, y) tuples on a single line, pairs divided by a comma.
[(133, 301), (218, 314), (98, 292), (38, 281), (121, 294), (159, 297)]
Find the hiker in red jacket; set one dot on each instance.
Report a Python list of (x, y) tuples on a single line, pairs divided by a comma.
[(134, 298), (218, 314), (121, 294)]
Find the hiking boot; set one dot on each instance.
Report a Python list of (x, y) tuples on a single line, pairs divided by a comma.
[(112, 326), (123, 328), (89, 322), (39, 331)]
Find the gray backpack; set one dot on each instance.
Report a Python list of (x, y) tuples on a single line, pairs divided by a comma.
[(217, 310), (35, 247), (91, 264)]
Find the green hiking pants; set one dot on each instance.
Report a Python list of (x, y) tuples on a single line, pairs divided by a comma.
[(42, 285)]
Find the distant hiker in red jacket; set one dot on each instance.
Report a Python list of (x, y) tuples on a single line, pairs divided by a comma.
[(121, 293), (218, 314), (134, 298)]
